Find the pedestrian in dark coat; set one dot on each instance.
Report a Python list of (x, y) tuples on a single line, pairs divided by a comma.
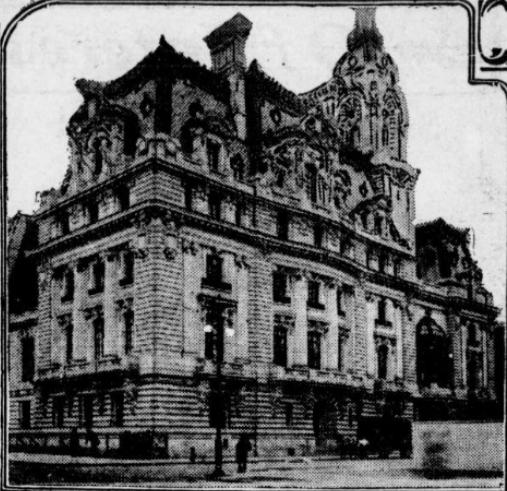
[(242, 448)]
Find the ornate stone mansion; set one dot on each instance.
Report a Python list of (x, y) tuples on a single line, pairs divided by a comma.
[(213, 205)]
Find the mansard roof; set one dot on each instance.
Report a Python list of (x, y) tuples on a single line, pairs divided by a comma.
[(163, 62), (273, 89), (439, 229)]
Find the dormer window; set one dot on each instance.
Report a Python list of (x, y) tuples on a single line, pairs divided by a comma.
[(382, 262), (98, 158), (311, 183), (93, 211), (282, 225), (318, 235), (378, 225), (213, 153), (215, 205), (238, 168), (123, 197), (63, 222)]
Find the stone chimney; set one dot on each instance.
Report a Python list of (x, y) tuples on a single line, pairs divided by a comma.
[(227, 44)]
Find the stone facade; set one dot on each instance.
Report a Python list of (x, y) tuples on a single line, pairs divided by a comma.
[(202, 205)]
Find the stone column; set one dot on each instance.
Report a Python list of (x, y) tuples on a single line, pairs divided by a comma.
[(192, 275), (111, 324), (241, 330), (80, 329), (301, 321), (332, 333)]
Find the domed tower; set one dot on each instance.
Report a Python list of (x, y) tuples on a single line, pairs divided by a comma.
[(371, 114), (367, 108)]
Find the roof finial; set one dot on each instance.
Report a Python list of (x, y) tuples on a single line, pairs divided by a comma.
[(365, 32)]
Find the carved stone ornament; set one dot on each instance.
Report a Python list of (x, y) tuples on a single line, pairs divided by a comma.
[(171, 246), (189, 247), (241, 261)]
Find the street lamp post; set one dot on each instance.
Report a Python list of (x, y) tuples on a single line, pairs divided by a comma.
[(219, 330), (217, 327)]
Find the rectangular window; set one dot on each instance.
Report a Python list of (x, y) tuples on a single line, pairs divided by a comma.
[(25, 420), (214, 268), (67, 291), (280, 345), (188, 196), (93, 211), (63, 220), (97, 271), (127, 268), (382, 359), (215, 206), (282, 225), (314, 339), (311, 183), (280, 294), (238, 213), (117, 404), (382, 312), (340, 302), (318, 235), (341, 352), (289, 414), (213, 152), (123, 197), (69, 342), (314, 295), (128, 322), (27, 359), (382, 262), (58, 411), (98, 332), (86, 411)]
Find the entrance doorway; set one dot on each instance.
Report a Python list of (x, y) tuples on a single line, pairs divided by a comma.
[(324, 425)]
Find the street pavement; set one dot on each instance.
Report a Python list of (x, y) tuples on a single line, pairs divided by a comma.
[(291, 473)]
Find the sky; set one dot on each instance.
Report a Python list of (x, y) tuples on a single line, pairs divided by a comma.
[(457, 133)]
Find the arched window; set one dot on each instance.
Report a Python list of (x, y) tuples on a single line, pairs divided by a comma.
[(238, 168), (433, 360), (355, 136), (187, 140), (385, 135)]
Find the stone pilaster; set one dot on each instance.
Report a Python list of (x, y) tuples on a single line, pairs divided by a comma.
[(370, 340), (332, 333), (301, 322), (398, 327), (192, 274), (241, 331), (111, 324)]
